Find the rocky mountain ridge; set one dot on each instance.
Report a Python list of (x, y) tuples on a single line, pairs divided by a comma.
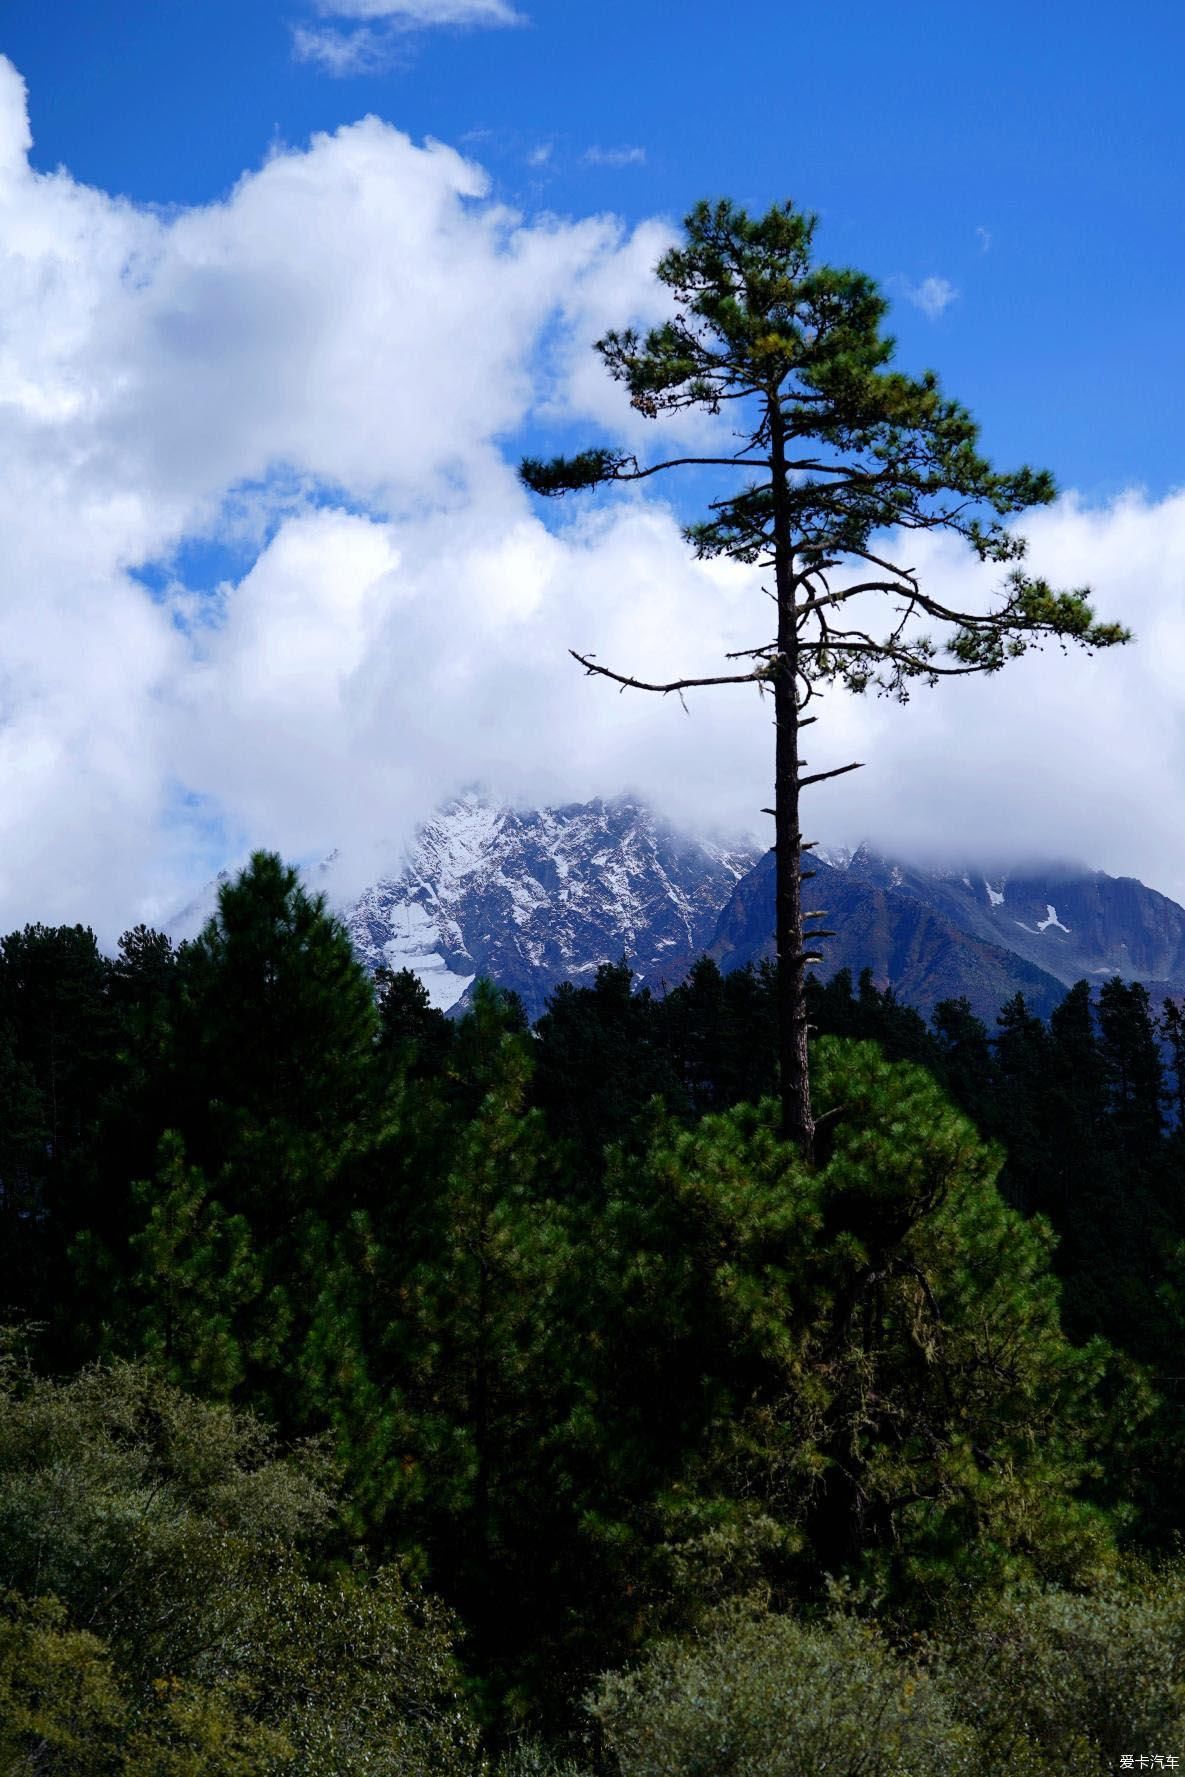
[(533, 897), (934, 934)]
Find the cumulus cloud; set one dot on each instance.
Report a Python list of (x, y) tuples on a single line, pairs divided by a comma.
[(933, 295), (356, 322), (324, 375), (403, 660)]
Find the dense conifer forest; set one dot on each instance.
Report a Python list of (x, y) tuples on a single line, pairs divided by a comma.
[(391, 1394)]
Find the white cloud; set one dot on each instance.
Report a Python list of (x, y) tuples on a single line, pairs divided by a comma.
[(614, 157), (343, 53), (933, 295), (367, 666), (435, 653), (1057, 756), (372, 46), (984, 237), (16, 138), (357, 316), (422, 14), (326, 367)]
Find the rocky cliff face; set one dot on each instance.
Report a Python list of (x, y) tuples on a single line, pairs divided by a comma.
[(532, 898)]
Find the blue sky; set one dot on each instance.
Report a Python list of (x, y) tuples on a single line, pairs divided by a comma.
[(1031, 157), (267, 575)]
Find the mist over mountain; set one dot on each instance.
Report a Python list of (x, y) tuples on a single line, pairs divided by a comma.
[(535, 897)]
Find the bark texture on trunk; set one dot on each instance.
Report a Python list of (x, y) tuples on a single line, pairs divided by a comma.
[(798, 1123)]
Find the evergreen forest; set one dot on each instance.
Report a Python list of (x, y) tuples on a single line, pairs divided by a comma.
[(383, 1393)]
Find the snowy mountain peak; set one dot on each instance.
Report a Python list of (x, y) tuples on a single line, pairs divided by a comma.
[(188, 921), (535, 897)]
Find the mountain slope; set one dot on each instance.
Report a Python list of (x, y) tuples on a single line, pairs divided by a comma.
[(1069, 921), (916, 949)]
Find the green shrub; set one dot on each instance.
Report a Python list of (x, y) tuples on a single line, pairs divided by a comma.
[(769, 1696), (1055, 1679), (169, 1612), (61, 1709), (532, 1759)]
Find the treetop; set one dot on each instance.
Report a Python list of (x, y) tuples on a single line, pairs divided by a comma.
[(836, 452)]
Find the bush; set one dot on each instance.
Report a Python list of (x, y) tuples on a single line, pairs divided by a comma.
[(169, 1610), (1055, 1679), (535, 1760), (769, 1696)]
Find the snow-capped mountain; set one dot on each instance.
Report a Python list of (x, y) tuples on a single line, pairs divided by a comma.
[(532, 898)]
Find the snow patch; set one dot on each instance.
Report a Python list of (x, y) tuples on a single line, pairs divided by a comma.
[(443, 988), (414, 943), (995, 896), (1043, 925)]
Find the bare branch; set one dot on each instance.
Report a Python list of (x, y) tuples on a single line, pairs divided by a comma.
[(636, 474), (591, 666), (890, 567), (817, 777), (840, 596)]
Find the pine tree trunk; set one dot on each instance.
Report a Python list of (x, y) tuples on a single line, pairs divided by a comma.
[(798, 1123)]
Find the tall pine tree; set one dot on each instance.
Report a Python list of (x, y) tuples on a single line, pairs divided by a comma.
[(830, 452)]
